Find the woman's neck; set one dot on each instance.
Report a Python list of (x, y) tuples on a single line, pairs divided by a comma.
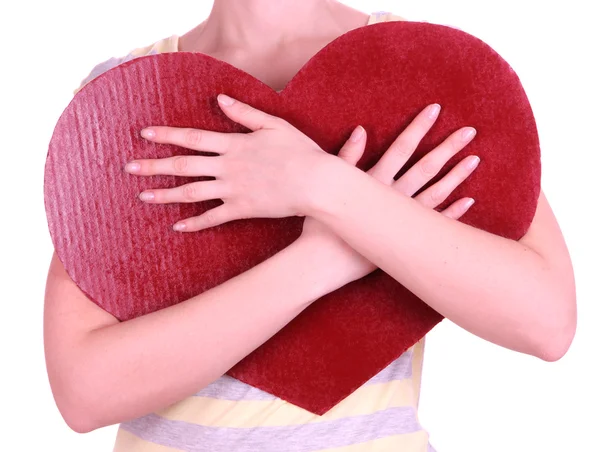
[(261, 26)]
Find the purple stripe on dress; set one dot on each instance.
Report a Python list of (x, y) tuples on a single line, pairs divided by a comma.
[(101, 68), (293, 438), (229, 388), (399, 369)]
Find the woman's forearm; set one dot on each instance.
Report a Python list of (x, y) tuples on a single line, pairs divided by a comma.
[(132, 368), (496, 288)]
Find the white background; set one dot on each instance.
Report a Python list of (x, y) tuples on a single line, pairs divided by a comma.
[(475, 395)]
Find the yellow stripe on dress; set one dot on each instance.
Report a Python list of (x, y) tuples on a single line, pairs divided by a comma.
[(270, 413), (128, 442), (413, 442)]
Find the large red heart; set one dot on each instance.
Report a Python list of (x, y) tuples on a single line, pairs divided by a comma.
[(124, 255)]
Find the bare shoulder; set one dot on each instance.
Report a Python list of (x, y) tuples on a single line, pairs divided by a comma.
[(393, 17), (168, 44)]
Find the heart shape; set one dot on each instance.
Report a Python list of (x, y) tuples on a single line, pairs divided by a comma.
[(125, 257)]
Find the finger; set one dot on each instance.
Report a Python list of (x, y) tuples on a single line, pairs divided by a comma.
[(179, 165), (210, 218), (426, 168), (458, 208), (405, 144), (192, 192), (354, 147), (438, 192), (195, 139), (246, 115)]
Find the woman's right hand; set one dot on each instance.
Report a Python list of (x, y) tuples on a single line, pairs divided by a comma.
[(343, 260)]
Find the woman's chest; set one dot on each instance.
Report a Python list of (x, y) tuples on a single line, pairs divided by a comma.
[(275, 69)]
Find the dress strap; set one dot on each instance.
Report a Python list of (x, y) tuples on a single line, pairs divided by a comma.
[(383, 16)]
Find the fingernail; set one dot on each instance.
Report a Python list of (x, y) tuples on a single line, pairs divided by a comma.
[(132, 167), (179, 226), (146, 196), (470, 202), (473, 162), (225, 100), (357, 134), (433, 111), (468, 133), (148, 133)]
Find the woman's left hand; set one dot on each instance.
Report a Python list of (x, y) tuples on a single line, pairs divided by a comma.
[(258, 174)]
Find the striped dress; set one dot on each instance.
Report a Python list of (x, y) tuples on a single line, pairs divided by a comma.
[(230, 416)]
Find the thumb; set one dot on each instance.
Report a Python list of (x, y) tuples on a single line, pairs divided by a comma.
[(354, 147), (244, 114)]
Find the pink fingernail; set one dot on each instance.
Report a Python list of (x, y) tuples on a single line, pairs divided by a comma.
[(357, 134), (132, 167), (473, 162), (467, 134), (147, 196), (148, 133), (433, 111), (179, 226), (470, 202), (225, 100)]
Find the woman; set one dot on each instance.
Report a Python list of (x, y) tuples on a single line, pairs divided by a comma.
[(171, 395)]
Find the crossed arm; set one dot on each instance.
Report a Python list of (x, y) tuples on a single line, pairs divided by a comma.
[(517, 294)]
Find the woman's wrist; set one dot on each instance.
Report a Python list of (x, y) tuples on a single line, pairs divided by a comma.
[(330, 179), (320, 265), (326, 172)]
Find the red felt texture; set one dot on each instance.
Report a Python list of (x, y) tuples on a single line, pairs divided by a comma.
[(125, 257)]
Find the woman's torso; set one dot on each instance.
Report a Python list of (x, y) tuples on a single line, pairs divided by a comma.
[(229, 415)]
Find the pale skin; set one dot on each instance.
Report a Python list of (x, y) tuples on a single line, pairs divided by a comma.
[(517, 294)]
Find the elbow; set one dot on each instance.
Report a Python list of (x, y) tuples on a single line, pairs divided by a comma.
[(78, 416), (80, 424), (555, 332), (75, 406), (555, 347)]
